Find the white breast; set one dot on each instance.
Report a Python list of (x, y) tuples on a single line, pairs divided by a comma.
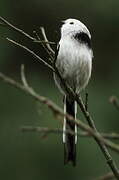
[(74, 62)]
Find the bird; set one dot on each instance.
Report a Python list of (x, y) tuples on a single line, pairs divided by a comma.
[(74, 63)]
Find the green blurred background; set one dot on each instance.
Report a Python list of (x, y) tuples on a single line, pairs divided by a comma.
[(25, 156)]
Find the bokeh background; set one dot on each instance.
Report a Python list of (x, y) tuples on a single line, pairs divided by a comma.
[(25, 156)]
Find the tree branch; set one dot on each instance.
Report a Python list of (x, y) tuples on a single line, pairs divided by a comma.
[(31, 52), (60, 131), (86, 101), (102, 146), (92, 130), (46, 40), (44, 44), (108, 176), (57, 110), (114, 100), (9, 25)]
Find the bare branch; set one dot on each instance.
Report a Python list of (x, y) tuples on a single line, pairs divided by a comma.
[(56, 109), (86, 102), (114, 100), (108, 176), (5, 22), (114, 136), (102, 146), (44, 130), (23, 78), (43, 43), (60, 131), (92, 130), (45, 38), (90, 121), (31, 52)]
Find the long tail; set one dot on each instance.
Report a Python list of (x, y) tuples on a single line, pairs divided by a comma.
[(69, 140)]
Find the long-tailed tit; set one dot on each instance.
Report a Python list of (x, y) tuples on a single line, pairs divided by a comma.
[(74, 62)]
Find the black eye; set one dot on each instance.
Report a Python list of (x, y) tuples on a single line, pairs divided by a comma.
[(71, 23)]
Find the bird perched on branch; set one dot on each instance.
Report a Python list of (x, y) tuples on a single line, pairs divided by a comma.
[(74, 63)]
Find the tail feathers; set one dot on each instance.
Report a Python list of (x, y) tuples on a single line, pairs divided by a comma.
[(69, 139), (70, 152)]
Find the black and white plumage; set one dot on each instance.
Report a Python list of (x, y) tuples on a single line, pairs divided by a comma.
[(74, 62)]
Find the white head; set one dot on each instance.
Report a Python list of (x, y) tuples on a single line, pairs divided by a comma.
[(73, 26)]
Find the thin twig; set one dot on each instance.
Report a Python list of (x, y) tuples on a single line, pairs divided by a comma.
[(99, 139), (37, 36), (86, 101), (43, 43), (114, 100), (5, 22), (45, 38), (57, 110), (113, 136), (31, 52), (90, 121), (60, 131), (43, 130), (108, 176), (23, 78), (102, 146)]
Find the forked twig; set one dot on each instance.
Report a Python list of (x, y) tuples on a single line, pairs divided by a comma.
[(45, 38), (92, 130), (31, 52), (9, 25), (57, 110)]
